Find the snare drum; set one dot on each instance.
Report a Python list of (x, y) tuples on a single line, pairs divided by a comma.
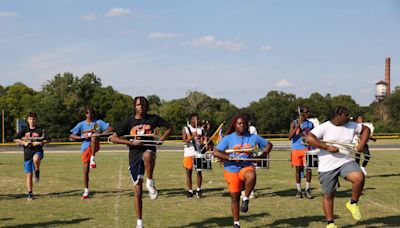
[(311, 159), (262, 164), (201, 163)]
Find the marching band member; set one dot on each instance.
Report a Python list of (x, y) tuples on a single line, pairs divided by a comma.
[(335, 162), (141, 157), (193, 136), (33, 150), (367, 156), (237, 172), (298, 129), (87, 131)]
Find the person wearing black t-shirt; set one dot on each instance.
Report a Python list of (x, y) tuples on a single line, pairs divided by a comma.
[(141, 157), (32, 138)]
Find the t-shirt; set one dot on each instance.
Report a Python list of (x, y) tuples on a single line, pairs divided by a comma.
[(27, 133), (147, 125), (345, 133), (189, 148), (83, 126), (234, 141), (297, 142)]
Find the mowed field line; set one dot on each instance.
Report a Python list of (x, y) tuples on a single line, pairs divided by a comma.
[(117, 198)]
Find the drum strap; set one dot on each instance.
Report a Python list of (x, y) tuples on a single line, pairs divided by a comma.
[(193, 140)]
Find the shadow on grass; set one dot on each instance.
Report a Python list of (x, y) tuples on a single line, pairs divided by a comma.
[(50, 223), (389, 221), (347, 193), (286, 193), (172, 192), (296, 222), (57, 194), (6, 219), (384, 175), (224, 221)]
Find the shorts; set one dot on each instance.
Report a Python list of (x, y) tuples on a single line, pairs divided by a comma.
[(87, 153), (298, 157), (188, 162), (235, 180), (330, 180), (136, 165), (29, 167)]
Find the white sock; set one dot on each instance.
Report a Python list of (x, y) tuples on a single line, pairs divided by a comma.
[(298, 186), (198, 189), (86, 190), (191, 191), (308, 185), (245, 198), (139, 222), (92, 158), (150, 182), (236, 223)]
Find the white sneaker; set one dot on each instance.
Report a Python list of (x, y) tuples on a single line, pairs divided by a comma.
[(152, 190), (85, 195), (252, 195), (139, 226), (364, 170)]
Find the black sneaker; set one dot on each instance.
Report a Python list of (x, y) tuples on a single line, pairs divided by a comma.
[(36, 177), (199, 194), (29, 196), (299, 194), (308, 194), (236, 226), (189, 194), (245, 206)]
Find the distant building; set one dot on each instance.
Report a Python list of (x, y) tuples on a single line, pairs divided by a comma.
[(381, 91)]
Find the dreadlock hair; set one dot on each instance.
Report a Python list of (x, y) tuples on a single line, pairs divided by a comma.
[(231, 127), (32, 114), (303, 108), (338, 110), (143, 100)]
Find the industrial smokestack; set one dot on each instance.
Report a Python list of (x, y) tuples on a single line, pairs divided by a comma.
[(387, 75)]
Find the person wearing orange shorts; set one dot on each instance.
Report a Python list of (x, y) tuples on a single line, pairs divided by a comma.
[(193, 136), (240, 172), (87, 131), (299, 128)]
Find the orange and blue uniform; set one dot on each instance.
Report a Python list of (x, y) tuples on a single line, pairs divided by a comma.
[(298, 147), (234, 170)]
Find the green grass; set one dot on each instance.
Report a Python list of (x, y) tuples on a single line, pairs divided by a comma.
[(58, 195)]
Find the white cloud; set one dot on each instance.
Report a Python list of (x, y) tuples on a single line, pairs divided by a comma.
[(211, 41), (89, 17), (160, 35), (283, 84), (265, 48), (7, 14), (117, 12)]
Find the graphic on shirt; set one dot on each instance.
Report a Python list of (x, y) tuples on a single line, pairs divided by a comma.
[(141, 129)]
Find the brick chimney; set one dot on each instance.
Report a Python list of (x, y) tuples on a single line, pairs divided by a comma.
[(387, 75)]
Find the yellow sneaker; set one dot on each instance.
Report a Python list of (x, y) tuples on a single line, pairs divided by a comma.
[(354, 210), (331, 225)]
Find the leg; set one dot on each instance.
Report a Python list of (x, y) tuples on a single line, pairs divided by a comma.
[(29, 181), (36, 161), (86, 174), (235, 200), (327, 204), (357, 179), (94, 141), (138, 199), (149, 163), (308, 175), (199, 179), (249, 182), (189, 179), (297, 174), (358, 157), (367, 156)]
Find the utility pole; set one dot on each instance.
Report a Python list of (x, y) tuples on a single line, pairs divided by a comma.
[(2, 125)]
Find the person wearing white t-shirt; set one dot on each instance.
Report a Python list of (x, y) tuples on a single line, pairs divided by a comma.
[(335, 161)]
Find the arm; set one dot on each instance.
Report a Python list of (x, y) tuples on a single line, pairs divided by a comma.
[(293, 129), (364, 136), (116, 139), (221, 155), (313, 141), (267, 149), (166, 133)]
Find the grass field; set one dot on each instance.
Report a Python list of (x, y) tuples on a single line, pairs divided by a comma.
[(58, 195)]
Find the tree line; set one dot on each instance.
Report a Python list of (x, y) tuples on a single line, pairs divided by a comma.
[(60, 102)]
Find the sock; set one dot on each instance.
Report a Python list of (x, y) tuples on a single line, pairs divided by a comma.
[(191, 191), (30, 192), (91, 158), (86, 190), (245, 198), (139, 222), (198, 189), (298, 186), (236, 223), (150, 182), (353, 201), (330, 221), (308, 185)]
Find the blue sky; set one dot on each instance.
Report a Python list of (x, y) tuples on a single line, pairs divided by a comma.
[(237, 50)]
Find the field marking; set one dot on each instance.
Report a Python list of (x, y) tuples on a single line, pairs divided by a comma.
[(119, 186), (382, 206)]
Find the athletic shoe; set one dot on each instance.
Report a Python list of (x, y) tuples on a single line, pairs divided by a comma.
[(152, 191), (242, 194), (85, 195), (307, 192), (236, 226), (29, 196), (252, 195), (299, 194), (364, 170), (189, 194), (245, 206), (354, 210), (36, 177), (92, 163), (331, 225), (139, 226), (199, 194)]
